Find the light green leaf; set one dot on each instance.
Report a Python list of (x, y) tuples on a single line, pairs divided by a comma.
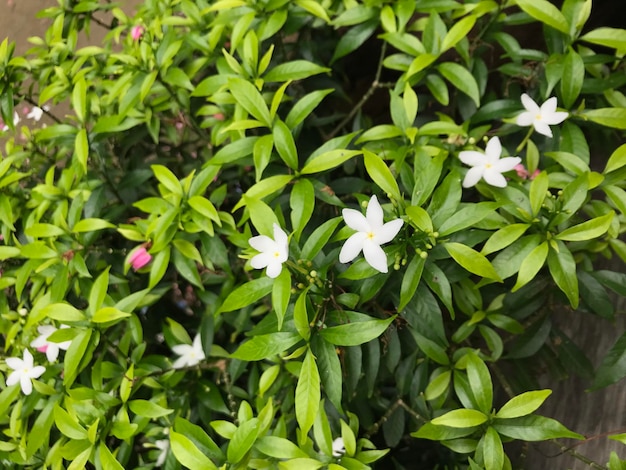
[(188, 454), (572, 78), (463, 418), (108, 314), (294, 70), (63, 312), (281, 292), (467, 216), (381, 175), (285, 145), (563, 270), (616, 160), (305, 106), (480, 382), (609, 117), (248, 96), (458, 31), (411, 280), (167, 179), (472, 260), (263, 346), (493, 452), (247, 293), (546, 12), (531, 265), (328, 160), (538, 190), (614, 38), (533, 428), (504, 237), (279, 447), (308, 393), (148, 409), (68, 426), (90, 225), (461, 79), (107, 459), (523, 404), (589, 230), (355, 333)]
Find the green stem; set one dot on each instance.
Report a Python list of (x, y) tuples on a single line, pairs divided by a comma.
[(525, 141)]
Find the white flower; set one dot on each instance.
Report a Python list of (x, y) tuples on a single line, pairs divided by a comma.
[(42, 344), (540, 117), (338, 448), (163, 445), (371, 233), (23, 371), (488, 165), (273, 252), (16, 120), (190, 355), (36, 113)]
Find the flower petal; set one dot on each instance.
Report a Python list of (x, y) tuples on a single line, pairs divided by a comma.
[(529, 104), (262, 243), (37, 371), (52, 352), (549, 106), (182, 349), (375, 256), (374, 213), (473, 176), (352, 247), (494, 178), (388, 231), (508, 164), (493, 150), (274, 268), (555, 118), (542, 128), (472, 157), (261, 260), (180, 363), (13, 378), (525, 119), (28, 359), (197, 345), (14, 363), (26, 384), (280, 237), (355, 220)]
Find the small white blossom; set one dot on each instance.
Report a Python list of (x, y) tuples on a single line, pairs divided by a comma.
[(488, 166), (36, 113), (338, 447), (541, 118), (371, 233), (16, 121), (42, 344), (164, 446), (23, 371), (190, 354), (273, 252)]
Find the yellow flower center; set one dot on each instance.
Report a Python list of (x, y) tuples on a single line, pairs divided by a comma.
[(488, 165), (276, 254), (370, 235), (538, 117)]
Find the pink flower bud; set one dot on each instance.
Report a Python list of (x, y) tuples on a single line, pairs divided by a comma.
[(139, 258), (535, 174), (43, 348), (136, 32), (521, 170), (219, 116)]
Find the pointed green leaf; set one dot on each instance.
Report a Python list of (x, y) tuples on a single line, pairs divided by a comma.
[(523, 404), (308, 393), (463, 418), (531, 265), (472, 260)]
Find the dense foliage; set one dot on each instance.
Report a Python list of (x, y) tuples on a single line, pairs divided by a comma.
[(304, 234)]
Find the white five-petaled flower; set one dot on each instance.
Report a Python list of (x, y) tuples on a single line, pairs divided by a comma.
[(36, 113), (371, 233), (488, 166), (541, 118), (164, 446), (190, 354), (338, 447), (24, 371), (273, 252), (42, 344)]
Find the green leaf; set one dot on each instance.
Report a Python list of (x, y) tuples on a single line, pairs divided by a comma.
[(329, 368), (457, 32), (617, 159), (572, 78), (279, 447), (187, 453), (613, 366), (90, 225), (301, 316), (533, 428), (314, 7), (294, 70), (75, 355), (472, 260), (108, 314), (107, 459), (431, 349), (480, 382), (589, 230), (318, 239), (262, 216), (68, 425), (537, 193), (546, 12), (523, 404), (285, 145), (328, 160), (148, 409), (442, 433), (461, 79), (205, 208), (438, 386), (493, 452), (248, 96), (411, 280), (354, 38), (305, 106), (355, 333), (381, 175), (614, 38), (302, 203), (79, 99), (609, 117), (467, 216), (308, 394), (281, 292), (81, 148), (462, 418), (62, 312), (563, 270), (531, 265), (420, 218), (167, 179), (247, 294), (264, 346), (504, 237)]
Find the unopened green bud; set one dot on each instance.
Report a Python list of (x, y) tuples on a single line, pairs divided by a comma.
[(313, 273), (435, 234), (300, 285), (472, 141), (423, 255), (403, 261), (429, 246), (396, 266)]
